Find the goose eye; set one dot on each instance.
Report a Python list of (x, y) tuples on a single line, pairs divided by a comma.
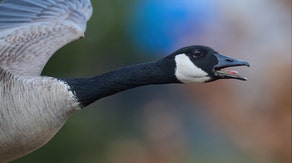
[(197, 54)]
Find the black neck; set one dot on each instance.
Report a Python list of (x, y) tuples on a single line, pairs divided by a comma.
[(89, 90)]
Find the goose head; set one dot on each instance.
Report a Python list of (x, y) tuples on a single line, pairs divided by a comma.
[(203, 64)]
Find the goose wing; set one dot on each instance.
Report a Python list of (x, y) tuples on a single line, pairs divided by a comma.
[(31, 31)]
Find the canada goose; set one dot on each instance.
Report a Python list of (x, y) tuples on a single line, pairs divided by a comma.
[(33, 107)]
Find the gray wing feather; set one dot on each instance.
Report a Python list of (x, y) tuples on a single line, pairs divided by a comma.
[(32, 30)]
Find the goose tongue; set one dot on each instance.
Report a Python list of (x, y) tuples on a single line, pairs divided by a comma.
[(232, 72)]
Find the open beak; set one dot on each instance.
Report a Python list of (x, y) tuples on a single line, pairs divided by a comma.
[(224, 62)]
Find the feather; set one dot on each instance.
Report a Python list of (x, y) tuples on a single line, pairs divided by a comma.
[(31, 31)]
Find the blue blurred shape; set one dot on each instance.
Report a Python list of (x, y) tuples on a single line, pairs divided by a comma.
[(157, 25)]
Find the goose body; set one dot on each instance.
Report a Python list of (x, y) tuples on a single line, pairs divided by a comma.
[(25, 124), (34, 108)]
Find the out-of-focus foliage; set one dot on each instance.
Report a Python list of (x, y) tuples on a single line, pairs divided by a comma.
[(224, 121)]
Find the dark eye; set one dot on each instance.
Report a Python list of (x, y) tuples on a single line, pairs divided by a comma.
[(197, 54)]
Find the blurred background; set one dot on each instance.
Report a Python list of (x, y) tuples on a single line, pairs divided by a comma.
[(224, 122)]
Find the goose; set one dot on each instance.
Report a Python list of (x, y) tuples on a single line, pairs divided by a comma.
[(33, 108)]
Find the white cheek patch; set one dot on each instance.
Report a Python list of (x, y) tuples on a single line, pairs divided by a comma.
[(187, 72)]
